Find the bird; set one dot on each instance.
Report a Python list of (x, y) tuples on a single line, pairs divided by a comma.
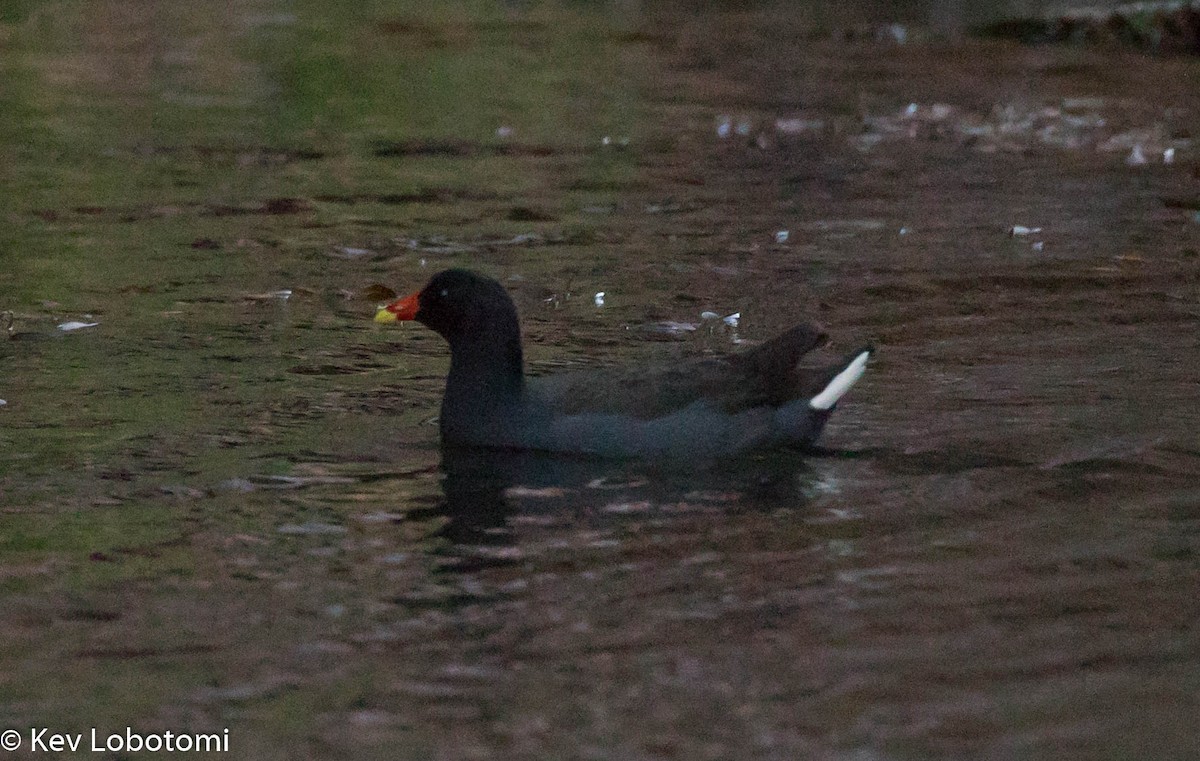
[(700, 409)]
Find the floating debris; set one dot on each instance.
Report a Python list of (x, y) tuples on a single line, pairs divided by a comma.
[(3, 403), (709, 316), (351, 252), (1136, 157), (504, 131), (1018, 231), (280, 295), (1168, 155), (1075, 124), (599, 299), (732, 320), (905, 231), (781, 236), (67, 327), (1038, 245)]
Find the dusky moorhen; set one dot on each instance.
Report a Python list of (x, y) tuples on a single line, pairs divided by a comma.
[(709, 407)]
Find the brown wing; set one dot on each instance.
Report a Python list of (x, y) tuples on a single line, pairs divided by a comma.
[(764, 375)]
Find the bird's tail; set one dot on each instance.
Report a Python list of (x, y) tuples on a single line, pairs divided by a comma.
[(842, 377)]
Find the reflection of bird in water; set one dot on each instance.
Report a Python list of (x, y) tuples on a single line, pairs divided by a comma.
[(485, 490)]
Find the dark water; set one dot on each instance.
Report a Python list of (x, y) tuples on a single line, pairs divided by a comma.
[(225, 507)]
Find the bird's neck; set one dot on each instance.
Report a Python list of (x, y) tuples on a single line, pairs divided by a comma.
[(486, 373)]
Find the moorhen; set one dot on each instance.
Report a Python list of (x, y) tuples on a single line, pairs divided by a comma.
[(699, 408)]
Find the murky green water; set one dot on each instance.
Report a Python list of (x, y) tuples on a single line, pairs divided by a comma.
[(223, 505)]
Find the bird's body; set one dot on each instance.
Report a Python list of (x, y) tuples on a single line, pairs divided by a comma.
[(697, 409)]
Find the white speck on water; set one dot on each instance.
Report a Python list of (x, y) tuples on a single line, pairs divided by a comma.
[(283, 295), (424, 262), (743, 127), (912, 109), (1137, 156), (1169, 156), (1038, 245), (724, 126), (599, 299), (504, 131), (1017, 231), (905, 231), (709, 316), (732, 320), (3, 402), (76, 325), (897, 33), (606, 140), (781, 236)]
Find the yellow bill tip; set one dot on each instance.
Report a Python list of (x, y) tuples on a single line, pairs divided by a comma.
[(384, 315)]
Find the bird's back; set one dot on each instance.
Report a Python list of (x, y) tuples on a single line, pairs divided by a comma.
[(765, 376)]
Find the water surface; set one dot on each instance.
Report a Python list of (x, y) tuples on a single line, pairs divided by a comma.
[(224, 506)]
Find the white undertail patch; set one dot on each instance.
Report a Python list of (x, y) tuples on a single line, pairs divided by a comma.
[(841, 383)]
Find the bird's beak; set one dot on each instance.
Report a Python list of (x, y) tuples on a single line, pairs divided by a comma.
[(400, 309)]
